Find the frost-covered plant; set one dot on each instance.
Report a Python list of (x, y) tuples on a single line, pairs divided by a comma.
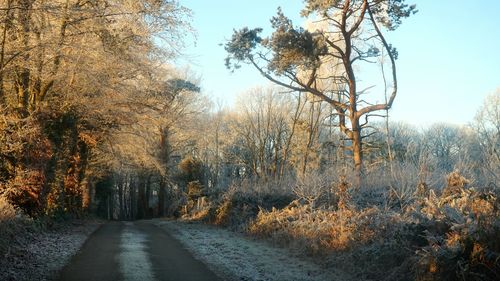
[(321, 230), (463, 230), (316, 190), (7, 211), (24, 154), (12, 224), (240, 203)]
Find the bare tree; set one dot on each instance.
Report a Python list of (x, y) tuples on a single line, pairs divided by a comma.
[(487, 127)]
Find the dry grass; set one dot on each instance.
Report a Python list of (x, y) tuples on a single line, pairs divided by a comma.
[(463, 230), (418, 230), (334, 225), (7, 211), (321, 231)]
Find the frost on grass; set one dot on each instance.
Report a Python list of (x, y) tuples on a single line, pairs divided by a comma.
[(40, 255), (237, 257)]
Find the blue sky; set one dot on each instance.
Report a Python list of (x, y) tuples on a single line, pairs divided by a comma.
[(449, 54)]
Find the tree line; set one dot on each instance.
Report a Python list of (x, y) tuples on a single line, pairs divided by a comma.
[(273, 136), (95, 116), (79, 83)]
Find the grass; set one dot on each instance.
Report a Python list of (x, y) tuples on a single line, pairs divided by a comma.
[(12, 225)]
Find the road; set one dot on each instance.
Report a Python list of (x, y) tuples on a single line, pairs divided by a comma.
[(134, 251)]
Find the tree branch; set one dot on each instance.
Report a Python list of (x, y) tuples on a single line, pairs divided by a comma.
[(388, 105)]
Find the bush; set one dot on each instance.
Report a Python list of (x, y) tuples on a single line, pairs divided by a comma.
[(7, 211), (240, 205), (413, 232), (194, 190), (463, 230), (24, 154), (321, 231), (237, 206)]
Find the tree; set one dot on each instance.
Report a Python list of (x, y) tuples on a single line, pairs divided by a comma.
[(261, 128), (74, 80), (487, 128), (444, 142), (301, 60), (175, 102), (307, 128)]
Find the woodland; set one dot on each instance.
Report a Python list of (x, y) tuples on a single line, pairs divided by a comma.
[(97, 120)]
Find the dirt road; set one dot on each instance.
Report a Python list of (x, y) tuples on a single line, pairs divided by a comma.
[(134, 251)]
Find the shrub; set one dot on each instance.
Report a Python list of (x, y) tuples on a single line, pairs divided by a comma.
[(323, 230), (240, 204), (7, 211), (237, 206), (463, 227), (408, 232)]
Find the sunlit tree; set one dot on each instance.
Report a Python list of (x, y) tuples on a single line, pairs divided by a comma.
[(294, 58)]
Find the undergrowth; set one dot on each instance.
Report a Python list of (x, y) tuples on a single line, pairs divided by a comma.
[(415, 232), (12, 224)]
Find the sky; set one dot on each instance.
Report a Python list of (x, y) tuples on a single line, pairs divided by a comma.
[(449, 54)]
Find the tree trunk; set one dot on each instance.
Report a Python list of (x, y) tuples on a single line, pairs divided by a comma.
[(133, 198), (23, 93), (357, 152), (127, 185), (162, 197), (2, 51), (356, 138), (121, 215), (23, 79), (112, 205), (141, 198), (37, 85), (58, 57), (147, 210)]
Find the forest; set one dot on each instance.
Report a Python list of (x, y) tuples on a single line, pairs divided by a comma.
[(96, 120)]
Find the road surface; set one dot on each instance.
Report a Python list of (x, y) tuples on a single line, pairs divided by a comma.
[(134, 251)]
